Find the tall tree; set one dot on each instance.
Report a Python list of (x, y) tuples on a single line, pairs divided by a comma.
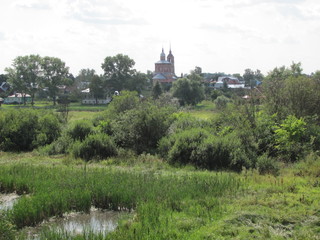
[(156, 90), (136, 82), (55, 73), (25, 75), (289, 91), (96, 87), (84, 77), (189, 92), (118, 70)]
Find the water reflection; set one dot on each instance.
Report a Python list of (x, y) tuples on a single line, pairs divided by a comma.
[(97, 222), (7, 201)]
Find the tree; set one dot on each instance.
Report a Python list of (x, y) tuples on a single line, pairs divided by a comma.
[(118, 70), (188, 91), (248, 76), (289, 92), (25, 75), (156, 90), (96, 87), (136, 82), (55, 73), (197, 70)]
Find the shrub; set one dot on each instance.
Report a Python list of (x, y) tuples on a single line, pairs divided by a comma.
[(290, 137), (24, 129), (80, 129), (221, 102), (267, 165), (95, 146), (140, 129), (201, 148), (60, 146), (49, 129)]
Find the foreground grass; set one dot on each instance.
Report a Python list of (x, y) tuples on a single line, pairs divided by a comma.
[(168, 203)]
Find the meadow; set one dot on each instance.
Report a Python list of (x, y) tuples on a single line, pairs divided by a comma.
[(162, 200), (165, 202)]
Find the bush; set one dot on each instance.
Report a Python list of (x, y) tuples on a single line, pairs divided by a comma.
[(267, 165), (185, 146), (201, 148), (291, 137), (221, 102), (80, 129), (24, 129), (140, 129), (60, 146), (95, 146)]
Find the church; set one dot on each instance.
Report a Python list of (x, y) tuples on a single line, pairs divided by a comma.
[(164, 69)]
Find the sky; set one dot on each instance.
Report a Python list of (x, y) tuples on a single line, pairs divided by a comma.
[(218, 36)]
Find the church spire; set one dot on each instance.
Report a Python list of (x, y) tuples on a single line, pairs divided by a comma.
[(162, 56)]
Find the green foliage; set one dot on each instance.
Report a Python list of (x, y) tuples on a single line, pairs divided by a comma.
[(54, 73), (80, 129), (156, 90), (221, 102), (142, 128), (24, 130), (95, 146), (189, 92), (267, 165), (201, 148), (96, 87), (25, 74), (289, 92), (290, 136), (49, 129), (118, 70), (7, 229), (125, 101)]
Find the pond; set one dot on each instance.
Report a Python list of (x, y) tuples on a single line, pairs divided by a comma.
[(97, 222), (7, 201)]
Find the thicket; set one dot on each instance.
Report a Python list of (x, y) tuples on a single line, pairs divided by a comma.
[(25, 129)]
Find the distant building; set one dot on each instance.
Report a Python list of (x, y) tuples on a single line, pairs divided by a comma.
[(164, 72), (87, 98), (17, 98), (229, 82)]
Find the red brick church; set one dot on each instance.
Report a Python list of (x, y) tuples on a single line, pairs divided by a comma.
[(164, 69)]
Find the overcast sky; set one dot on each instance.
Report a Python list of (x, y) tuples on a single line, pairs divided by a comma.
[(219, 36)]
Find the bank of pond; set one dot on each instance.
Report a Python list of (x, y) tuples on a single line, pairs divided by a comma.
[(140, 203)]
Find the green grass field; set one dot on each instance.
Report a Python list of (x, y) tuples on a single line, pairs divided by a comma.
[(168, 203), (164, 202)]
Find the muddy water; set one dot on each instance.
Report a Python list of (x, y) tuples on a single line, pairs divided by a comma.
[(97, 221), (7, 201)]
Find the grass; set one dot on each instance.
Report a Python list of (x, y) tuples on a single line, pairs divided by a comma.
[(204, 110), (169, 203), (160, 198), (74, 106)]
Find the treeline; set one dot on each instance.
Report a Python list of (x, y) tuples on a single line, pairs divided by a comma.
[(44, 76), (279, 123)]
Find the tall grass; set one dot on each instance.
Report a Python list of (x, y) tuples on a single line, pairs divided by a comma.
[(159, 199)]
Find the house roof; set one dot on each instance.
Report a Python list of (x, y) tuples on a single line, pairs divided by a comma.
[(19, 95), (159, 76), (163, 62), (86, 90)]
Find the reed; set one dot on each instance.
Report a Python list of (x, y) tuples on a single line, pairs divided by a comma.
[(160, 200)]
